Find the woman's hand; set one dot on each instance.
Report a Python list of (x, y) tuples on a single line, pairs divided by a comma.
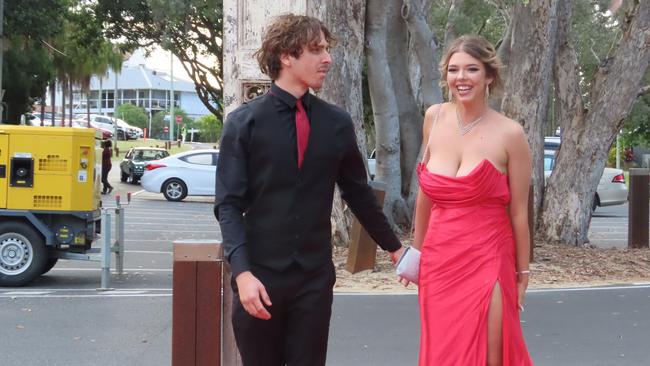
[(522, 285)]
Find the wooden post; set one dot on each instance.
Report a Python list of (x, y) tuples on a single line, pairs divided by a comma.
[(638, 208), (363, 250), (196, 303), (231, 355)]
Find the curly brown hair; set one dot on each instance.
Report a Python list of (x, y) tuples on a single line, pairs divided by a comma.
[(482, 50), (287, 34)]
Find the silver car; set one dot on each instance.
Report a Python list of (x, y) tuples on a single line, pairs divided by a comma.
[(611, 190)]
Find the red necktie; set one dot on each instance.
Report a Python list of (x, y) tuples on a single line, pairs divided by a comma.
[(302, 131)]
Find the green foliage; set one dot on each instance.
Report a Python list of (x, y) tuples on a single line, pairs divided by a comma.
[(595, 35), (25, 76), (475, 17), (34, 20), (27, 68), (158, 123), (636, 131), (210, 127), (191, 29), (133, 115)]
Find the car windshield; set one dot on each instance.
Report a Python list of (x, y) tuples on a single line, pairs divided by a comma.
[(146, 155)]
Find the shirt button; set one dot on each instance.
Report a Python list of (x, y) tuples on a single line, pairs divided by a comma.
[(296, 236), (296, 217), (295, 253)]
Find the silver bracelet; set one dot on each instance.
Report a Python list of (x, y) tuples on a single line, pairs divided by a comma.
[(525, 271)]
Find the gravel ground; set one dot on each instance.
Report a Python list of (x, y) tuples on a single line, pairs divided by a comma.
[(554, 266)]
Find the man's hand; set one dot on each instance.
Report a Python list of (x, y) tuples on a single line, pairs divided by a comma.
[(396, 255), (251, 295)]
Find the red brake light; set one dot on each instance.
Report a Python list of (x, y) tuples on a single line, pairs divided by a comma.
[(619, 179), (154, 166)]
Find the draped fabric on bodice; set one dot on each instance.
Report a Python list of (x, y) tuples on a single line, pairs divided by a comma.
[(467, 249)]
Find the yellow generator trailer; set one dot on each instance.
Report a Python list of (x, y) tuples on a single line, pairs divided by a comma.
[(49, 198)]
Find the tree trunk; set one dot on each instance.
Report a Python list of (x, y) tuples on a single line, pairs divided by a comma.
[(43, 100), (426, 85), (385, 110), (346, 20), (528, 76), (71, 99), (53, 100), (410, 116), (586, 141), (64, 89)]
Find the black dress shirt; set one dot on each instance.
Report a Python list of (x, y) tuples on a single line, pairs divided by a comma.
[(270, 212)]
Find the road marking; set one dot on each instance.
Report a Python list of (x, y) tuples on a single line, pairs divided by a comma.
[(56, 293), (543, 290), (84, 296), (136, 270), (147, 252)]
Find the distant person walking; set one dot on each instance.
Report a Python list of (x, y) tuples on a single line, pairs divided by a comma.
[(107, 153)]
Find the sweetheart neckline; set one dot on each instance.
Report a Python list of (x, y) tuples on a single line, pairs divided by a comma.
[(485, 160)]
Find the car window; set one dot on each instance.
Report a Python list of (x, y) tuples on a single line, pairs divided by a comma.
[(148, 155), (200, 159), (549, 162)]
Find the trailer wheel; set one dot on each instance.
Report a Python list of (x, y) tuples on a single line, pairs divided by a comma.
[(51, 262), (23, 256)]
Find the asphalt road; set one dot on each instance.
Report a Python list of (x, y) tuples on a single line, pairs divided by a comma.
[(609, 227), (62, 320)]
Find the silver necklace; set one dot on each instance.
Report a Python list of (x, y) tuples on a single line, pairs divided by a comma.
[(465, 128)]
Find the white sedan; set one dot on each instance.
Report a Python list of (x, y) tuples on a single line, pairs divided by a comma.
[(611, 186), (190, 173)]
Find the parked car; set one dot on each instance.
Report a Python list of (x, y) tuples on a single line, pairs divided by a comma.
[(99, 121), (552, 143), (127, 132), (132, 166), (190, 173), (611, 188)]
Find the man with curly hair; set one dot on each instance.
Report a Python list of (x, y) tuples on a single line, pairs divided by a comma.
[(281, 156)]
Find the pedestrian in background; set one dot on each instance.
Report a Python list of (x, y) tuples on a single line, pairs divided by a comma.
[(107, 153)]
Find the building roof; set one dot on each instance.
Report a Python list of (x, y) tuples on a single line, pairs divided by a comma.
[(141, 77)]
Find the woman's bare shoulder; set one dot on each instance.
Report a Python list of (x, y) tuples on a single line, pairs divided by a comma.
[(510, 127), (432, 112)]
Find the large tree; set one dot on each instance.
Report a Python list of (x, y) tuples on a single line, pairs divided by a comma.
[(191, 29), (592, 121), (27, 69), (346, 20), (528, 76)]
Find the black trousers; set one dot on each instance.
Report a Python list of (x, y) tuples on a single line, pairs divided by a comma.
[(297, 333), (105, 183)]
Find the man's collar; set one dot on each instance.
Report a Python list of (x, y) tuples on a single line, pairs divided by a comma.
[(288, 98)]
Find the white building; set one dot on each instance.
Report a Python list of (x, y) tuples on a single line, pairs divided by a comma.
[(140, 86)]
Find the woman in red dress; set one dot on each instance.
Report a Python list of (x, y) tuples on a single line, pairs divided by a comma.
[(471, 221)]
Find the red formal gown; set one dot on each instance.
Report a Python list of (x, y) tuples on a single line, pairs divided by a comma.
[(468, 248)]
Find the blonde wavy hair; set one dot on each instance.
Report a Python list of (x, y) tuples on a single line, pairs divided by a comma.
[(482, 50)]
